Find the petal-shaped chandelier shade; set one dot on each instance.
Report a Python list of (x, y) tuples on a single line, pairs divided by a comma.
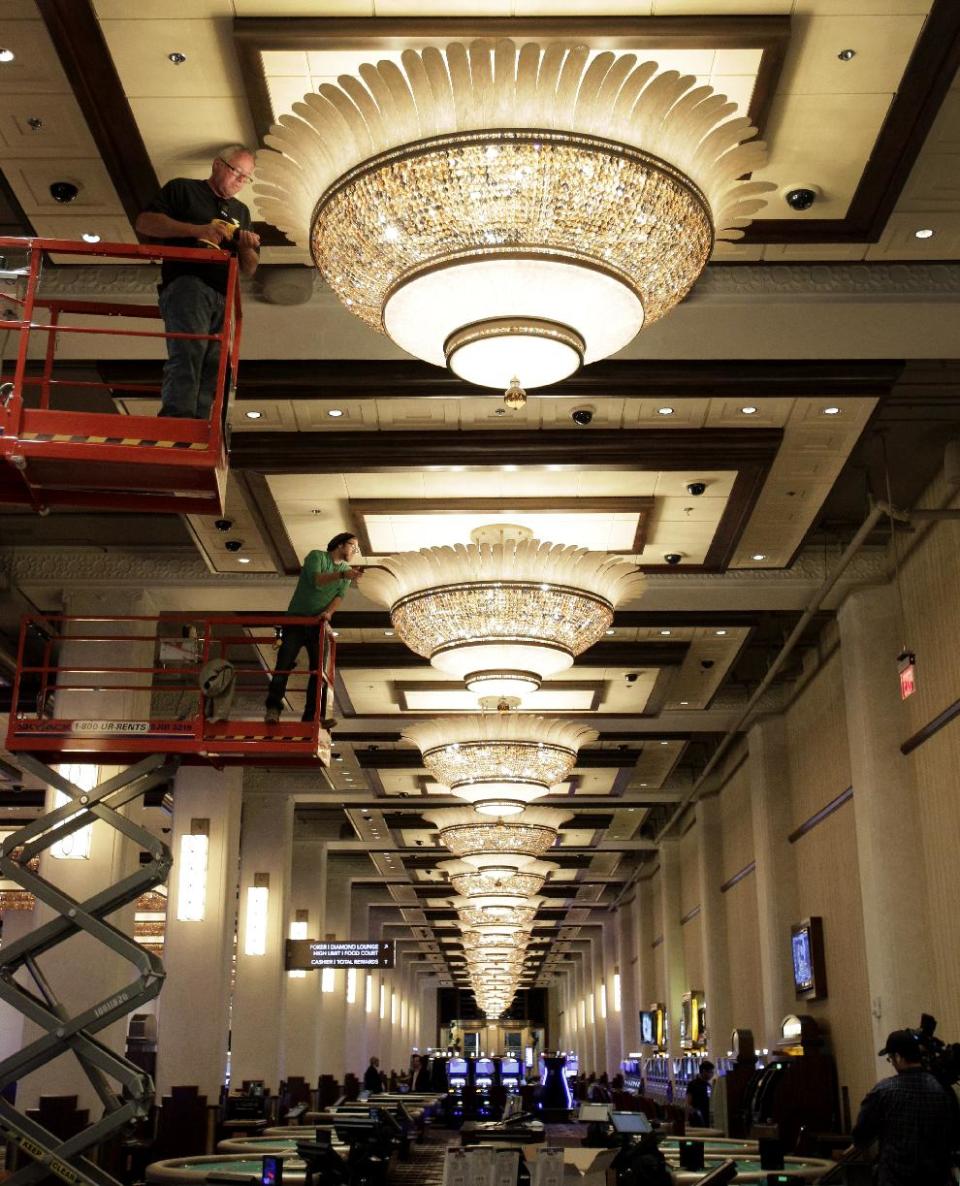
[(512, 212), (502, 617), (498, 761)]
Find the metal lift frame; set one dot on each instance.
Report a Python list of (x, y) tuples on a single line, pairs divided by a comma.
[(39, 1003), (51, 458)]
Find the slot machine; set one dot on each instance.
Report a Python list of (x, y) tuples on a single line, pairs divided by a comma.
[(511, 1075)]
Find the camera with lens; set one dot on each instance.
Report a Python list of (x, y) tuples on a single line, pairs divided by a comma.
[(223, 524), (696, 488), (706, 664), (673, 557), (64, 191), (581, 416), (801, 197), (233, 545)]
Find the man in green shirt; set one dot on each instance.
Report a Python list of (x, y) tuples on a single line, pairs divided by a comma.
[(324, 580)]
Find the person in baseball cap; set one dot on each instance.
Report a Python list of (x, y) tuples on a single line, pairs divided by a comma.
[(904, 1043), (911, 1117)]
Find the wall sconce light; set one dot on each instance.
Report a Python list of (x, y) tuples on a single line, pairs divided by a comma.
[(616, 992), (603, 1000), (368, 994), (351, 986), (300, 929), (192, 878), (258, 901), (76, 846), (328, 979), (383, 1002), (393, 1008)]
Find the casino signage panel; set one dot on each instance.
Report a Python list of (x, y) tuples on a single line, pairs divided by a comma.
[(304, 954)]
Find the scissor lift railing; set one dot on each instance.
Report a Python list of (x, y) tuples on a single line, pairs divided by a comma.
[(180, 718), (125, 1091), (54, 457)]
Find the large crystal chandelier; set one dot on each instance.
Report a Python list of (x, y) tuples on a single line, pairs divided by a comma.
[(478, 840), (511, 212), (502, 617), (499, 762)]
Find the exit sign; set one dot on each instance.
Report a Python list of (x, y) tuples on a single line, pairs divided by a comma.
[(907, 670)]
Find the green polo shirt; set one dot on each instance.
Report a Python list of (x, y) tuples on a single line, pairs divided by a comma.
[(308, 597)]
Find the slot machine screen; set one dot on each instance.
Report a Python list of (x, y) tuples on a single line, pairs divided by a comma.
[(572, 1067), (648, 1029), (510, 1066), (485, 1067), (809, 968), (457, 1067)]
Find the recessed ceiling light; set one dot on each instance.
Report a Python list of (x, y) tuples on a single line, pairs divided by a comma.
[(666, 633), (388, 633), (664, 411), (833, 410), (253, 414), (684, 703), (611, 631), (7, 55), (88, 238), (335, 413), (749, 410), (335, 633), (664, 743), (643, 784), (846, 54), (243, 559), (924, 232), (720, 633), (759, 556), (177, 58)]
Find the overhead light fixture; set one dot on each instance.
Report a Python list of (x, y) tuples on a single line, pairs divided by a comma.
[(496, 244), (502, 616), (90, 238), (664, 411), (7, 55), (243, 559), (253, 414), (335, 413), (666, 633), (749, 410), (469, 835), (847, 55), (720, 633), (759, 556), (499, 762), (177, 58), (923, 233), (611, 631), (192, 872), (833, 410)]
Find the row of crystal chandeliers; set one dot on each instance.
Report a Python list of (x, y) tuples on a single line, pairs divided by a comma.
[(501, 616)]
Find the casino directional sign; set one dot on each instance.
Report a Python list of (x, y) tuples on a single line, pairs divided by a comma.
[(304, 954)]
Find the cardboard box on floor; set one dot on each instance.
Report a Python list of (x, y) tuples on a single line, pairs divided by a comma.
[(587, 1167)]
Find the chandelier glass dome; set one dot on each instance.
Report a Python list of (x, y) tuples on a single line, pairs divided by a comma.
[(499, 762), (502, 617), (511, 212), (474, 837)]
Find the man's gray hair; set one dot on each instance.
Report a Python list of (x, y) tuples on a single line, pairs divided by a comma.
[(230, 150)]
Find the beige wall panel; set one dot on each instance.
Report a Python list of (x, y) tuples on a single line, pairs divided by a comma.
[(693, 954), (818, 755), (743, 939), (828, 885), (689, 879), (931, 593), (736, 826)]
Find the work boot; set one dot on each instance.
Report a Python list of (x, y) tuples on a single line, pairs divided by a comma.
[(271, 716)]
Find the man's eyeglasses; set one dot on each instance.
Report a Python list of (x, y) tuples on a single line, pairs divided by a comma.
[(234, 170)]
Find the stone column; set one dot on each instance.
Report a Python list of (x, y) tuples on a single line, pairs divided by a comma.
[(613, 1033), (775, 875), (671, 949), (713, 928), (627, 962), (896, 918), (198, 953), (259, 999), (303, 1016)]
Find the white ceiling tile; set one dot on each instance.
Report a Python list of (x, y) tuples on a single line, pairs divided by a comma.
[(899, 241), (558, 413), (848, 8), (154, 10), (139, 52), (314, 415), (674, 483), (484, 8), (111, 229), (726, 252), (285, 90), (275, 416), (31, 180), (575, 8), (770, 412), (418, 413), (63, 128), (687, 413), (326, 8), (722, 7), (883, 46), (688, 509), (785, 252), (175, 129), (35, 67)]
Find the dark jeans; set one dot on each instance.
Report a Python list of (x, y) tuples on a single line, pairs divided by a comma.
[(295, 638), (189, 306)]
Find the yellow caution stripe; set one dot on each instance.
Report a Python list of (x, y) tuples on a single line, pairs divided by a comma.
[(61, 438)]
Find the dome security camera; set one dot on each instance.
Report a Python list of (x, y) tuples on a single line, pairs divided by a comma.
[(581, 416), (696, 488), (233, 545), (801, 197), (64, 191), (223, 524), (706, 664), (673, 557)]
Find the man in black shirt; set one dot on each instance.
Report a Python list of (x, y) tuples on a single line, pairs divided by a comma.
[(372, 1077), (698, 1095), (911, 1116), (193, 295)]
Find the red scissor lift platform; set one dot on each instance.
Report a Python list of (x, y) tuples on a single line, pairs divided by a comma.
[(50, 457), (57, 712)]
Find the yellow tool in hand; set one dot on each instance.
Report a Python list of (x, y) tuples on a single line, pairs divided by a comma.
[(229, 231)]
